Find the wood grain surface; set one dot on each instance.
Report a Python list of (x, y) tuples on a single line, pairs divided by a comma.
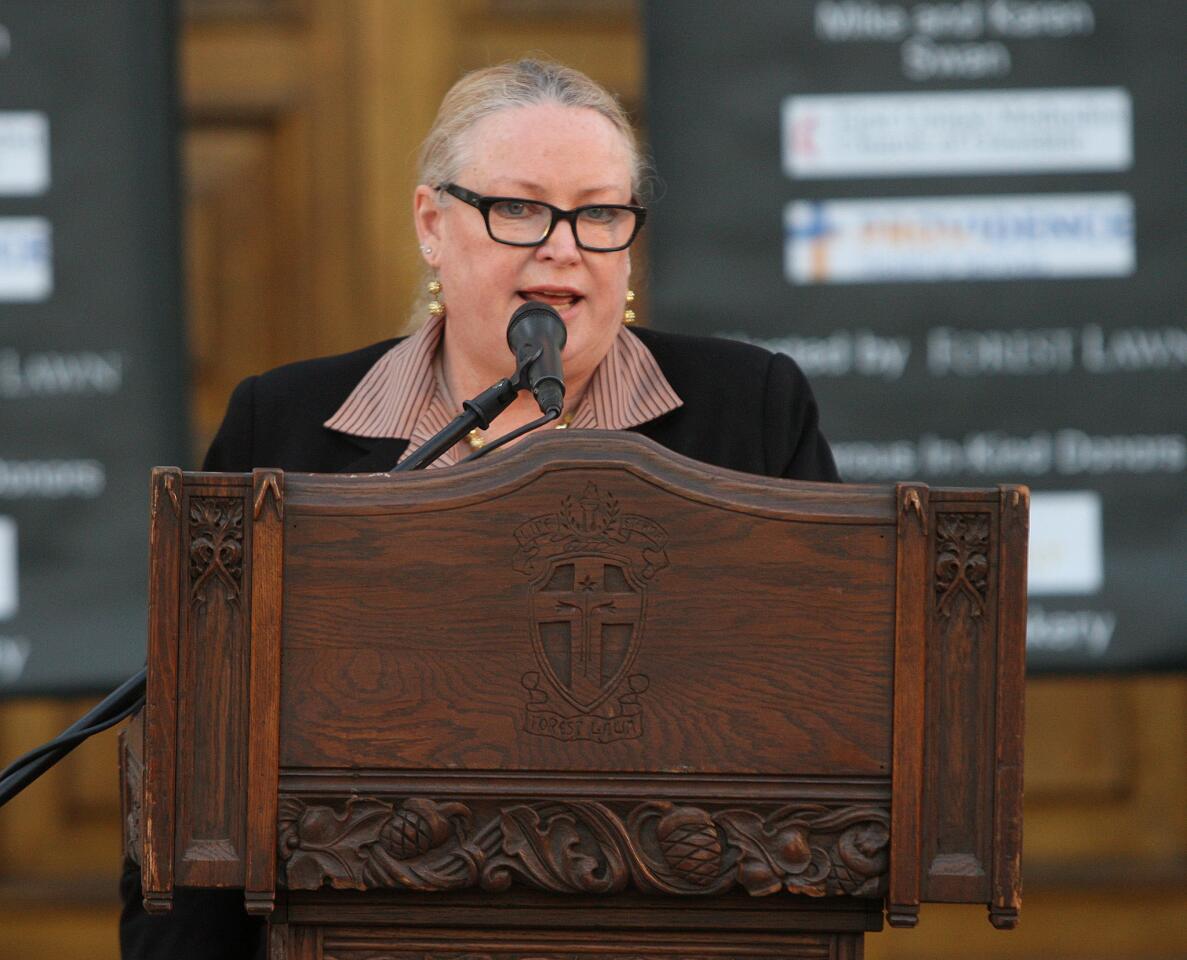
[(432, 661), (593, 671)]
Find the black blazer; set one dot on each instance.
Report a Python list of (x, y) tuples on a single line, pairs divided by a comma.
[(744, 409)]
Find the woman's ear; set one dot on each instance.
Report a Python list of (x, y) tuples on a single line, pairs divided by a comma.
[(427, 217)]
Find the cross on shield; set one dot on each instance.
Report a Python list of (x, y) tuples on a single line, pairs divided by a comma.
[(586, 626)]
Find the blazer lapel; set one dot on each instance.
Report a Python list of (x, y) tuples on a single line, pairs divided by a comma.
[(371, 454)]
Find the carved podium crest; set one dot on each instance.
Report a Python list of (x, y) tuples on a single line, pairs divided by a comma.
[(590, 568)]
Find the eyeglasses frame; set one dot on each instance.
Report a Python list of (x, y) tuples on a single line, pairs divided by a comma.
[(484, 203)]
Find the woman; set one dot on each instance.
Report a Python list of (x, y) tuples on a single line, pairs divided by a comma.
[(528, 188)]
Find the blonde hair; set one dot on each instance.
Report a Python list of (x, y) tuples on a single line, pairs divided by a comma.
[(519, 83)]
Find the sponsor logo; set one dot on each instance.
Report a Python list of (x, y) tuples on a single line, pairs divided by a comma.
[(957, 133), (24, 153), (26, 267), (8, 568), (1065, 555), (959, 238)]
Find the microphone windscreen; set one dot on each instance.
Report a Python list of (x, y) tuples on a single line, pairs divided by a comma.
[(536, 330), (533, 323)]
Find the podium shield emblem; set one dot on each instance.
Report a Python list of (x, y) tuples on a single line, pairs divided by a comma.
[(591, 567), (587, 619)]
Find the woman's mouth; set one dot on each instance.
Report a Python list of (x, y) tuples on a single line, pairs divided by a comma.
[(553, 296)]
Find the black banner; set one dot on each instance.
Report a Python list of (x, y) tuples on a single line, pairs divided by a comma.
[(91, 348), (966, 221)]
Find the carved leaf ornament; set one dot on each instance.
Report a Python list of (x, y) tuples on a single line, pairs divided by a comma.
[(962, 560), (216, 546), (585, 847)]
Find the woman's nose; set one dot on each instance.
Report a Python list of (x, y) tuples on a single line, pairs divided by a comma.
[(561, 244)]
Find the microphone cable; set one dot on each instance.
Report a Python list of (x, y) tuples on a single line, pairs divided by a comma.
[(120, 704), (551, 415)]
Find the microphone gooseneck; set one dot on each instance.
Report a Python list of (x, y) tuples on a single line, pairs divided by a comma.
[(537, 329), (536, 334)]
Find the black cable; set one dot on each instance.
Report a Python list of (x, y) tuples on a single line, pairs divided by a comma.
[(476, 412), (526, 428), (67, 740), (120, 703)]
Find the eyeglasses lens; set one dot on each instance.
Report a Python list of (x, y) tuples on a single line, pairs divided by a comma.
[(605, 227), (521, 221), (517, 221)]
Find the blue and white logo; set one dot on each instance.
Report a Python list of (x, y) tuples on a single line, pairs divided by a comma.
[(26, 259), (929, 239)]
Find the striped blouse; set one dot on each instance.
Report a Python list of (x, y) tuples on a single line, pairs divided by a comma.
[(403, 395)]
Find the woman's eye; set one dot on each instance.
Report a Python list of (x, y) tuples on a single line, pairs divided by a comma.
[(515, 209), (600, 214)]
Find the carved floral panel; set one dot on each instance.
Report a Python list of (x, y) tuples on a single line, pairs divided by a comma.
[(590, 847)]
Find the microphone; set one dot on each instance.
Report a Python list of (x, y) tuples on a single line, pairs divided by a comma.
[(536, 335)]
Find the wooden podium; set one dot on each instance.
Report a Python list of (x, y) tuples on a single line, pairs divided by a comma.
[(585, 700)]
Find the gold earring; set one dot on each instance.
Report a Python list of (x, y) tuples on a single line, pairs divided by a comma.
[(436, 307), (628, 315)]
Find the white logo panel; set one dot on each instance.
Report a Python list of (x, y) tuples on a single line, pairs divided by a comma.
[(24, 153), (957, 133), (8, 568), (1065, 555)]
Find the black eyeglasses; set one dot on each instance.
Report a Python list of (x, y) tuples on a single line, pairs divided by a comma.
[(600, 227)]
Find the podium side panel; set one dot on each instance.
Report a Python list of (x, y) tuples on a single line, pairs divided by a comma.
[(212, 697), (165, 583), (1011, 679), (902, 907), (267, 556), (131, 753), (961, 685)]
